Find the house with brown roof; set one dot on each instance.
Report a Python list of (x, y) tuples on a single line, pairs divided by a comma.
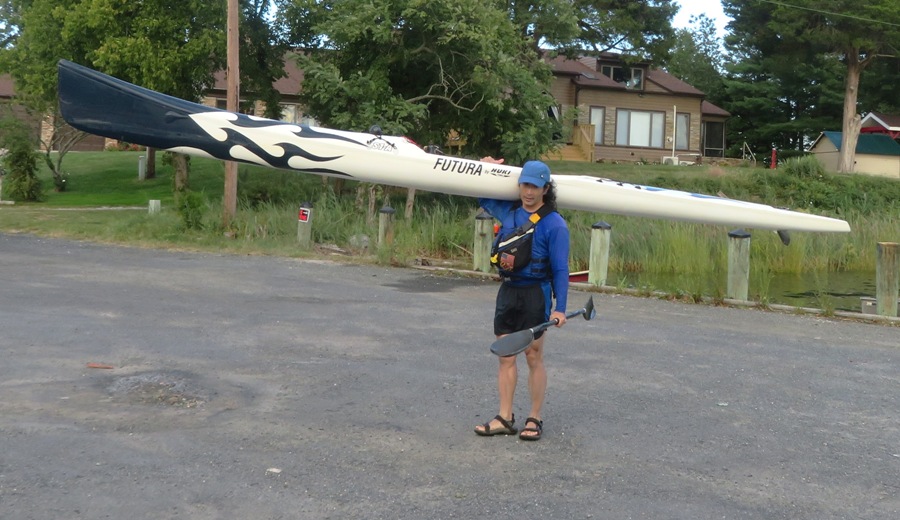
[(288, 87), (611, 110), (11, 108), (622, 111), (42, 128)]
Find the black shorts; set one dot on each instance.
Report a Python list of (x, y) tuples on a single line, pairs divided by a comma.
[(520, 308)]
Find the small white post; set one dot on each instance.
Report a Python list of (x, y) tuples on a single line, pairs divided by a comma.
[(484, 238), (738, 286), (887, 277), (598, 264), (304, 225), (155, 207)]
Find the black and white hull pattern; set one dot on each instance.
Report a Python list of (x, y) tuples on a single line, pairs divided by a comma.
[(99, 104)]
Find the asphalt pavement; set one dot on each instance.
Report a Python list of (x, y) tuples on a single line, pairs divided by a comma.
[(146, 384)]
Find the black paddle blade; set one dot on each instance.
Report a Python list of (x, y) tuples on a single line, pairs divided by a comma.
[(589, 311), (512, 344)]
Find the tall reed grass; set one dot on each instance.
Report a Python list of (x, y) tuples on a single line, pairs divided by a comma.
[(442, 226)]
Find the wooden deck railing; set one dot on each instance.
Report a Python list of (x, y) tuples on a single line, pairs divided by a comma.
[(583, 138)]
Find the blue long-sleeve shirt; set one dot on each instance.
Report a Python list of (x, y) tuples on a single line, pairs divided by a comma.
[(550, 242)]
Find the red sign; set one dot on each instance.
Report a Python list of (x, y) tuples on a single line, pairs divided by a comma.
[(304, 215)]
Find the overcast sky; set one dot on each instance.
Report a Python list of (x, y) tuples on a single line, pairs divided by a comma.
[(712, 9)]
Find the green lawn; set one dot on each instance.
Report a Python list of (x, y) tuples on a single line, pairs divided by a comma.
[(111, 179)]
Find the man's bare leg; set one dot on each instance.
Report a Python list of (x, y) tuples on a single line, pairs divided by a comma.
[(507, 376), (537, 380)]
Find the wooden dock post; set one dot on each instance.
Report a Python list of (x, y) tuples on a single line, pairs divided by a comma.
[(598, 262), (386, 226), (887, 277), (304, 225), (484, 238), (738, 286)]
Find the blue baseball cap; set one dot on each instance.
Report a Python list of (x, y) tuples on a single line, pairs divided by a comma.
[(535, 172)]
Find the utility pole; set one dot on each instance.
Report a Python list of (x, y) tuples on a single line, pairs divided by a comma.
[(232, 97)]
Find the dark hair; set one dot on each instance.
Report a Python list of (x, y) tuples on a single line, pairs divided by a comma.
[(550, 196)]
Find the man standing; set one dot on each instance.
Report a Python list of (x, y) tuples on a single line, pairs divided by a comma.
[(525, 297)]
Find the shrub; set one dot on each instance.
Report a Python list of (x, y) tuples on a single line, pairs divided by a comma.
[(189, 205), (260, 189), (122, 146), (806, 167), (19, 162)]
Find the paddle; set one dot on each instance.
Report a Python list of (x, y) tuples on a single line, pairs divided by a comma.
[(512, 344)]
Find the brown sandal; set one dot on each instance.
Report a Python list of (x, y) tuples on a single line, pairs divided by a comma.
[(535, 431), (508, 427)]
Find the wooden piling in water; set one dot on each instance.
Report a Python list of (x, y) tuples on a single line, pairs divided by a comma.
[(304, 225), (887, 277), (386, 226), (598, 263), (484, 238), (738, 286)]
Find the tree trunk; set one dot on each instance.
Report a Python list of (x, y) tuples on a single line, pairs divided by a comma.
[(410, 202), (179, 161), (360, 196), (852, 121), (150, 172), (373, 199)]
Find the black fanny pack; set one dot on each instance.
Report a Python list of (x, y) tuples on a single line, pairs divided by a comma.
[(512, 252)]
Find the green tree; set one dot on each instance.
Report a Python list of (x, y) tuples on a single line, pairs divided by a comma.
[(696, 58), (634, 28), (422, 68), (426, 67), (878, 86), (30, 56), (19, 161), (855, 33), (9, 22), (262, 54), (171, 46), (781, 103)]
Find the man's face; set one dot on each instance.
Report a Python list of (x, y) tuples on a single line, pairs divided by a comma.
[(532, 197)]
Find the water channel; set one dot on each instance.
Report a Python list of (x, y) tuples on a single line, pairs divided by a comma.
[(836, 291)]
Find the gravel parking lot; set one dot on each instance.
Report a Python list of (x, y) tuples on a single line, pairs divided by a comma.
[(146, 384)]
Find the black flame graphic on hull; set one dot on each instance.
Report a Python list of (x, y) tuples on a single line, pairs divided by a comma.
[(102, 105)]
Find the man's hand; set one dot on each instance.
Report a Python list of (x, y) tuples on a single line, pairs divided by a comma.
[(492, 160), (560, 318)]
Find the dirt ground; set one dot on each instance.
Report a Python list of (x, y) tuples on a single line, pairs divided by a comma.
[(144, 384)]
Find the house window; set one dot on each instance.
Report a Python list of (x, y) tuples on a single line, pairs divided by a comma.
[(637, 80), (640, 128), (597, 116), (633, 78), (714, 139), (682, 131), (293, 113), (289, 113), (245, 107)]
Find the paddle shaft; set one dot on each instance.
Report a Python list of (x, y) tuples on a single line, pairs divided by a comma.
[(547, 324), (514, 343)]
